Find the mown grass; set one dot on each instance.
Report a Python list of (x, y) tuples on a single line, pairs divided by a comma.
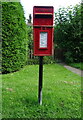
[(77, 65), (61, 93)]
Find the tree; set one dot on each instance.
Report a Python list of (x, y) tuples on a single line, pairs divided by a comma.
[(30, 36), (67, 32)]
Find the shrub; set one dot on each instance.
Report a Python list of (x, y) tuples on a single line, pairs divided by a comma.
[(46, 60), (68, 57), (14, 42)]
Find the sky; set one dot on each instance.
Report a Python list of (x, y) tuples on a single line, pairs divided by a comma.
[(28, 4)]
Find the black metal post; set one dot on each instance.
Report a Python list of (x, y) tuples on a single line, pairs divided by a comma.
[(40, 79)]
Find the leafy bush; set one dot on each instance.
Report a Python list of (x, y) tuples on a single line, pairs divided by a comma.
[(68, 57), (33, 61), (67, 34), (46, 60), (77, 65), (14, 42)]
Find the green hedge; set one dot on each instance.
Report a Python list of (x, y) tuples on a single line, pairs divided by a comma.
[(14, 42), (46, 60)]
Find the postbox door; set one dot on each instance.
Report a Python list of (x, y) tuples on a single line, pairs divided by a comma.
[(43, 42)]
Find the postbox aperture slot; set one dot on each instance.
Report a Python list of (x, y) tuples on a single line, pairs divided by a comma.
[(43, 16), (43, 39)]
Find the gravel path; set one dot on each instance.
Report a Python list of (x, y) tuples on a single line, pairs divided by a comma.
[(75, 70)]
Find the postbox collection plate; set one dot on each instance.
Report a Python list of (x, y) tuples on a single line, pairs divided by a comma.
[(43, 39)]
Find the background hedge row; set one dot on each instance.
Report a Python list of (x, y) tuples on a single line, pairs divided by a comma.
[(14, 40)]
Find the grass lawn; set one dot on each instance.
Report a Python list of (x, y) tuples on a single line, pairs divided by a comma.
[(61, 93), (77, 65)]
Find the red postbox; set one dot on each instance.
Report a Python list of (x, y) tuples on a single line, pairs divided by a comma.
[(43, 30)]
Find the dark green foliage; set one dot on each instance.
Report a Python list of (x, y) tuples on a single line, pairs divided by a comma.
[(77, 65), (14, 49), (30, 41), (46, 60), (68, 32)]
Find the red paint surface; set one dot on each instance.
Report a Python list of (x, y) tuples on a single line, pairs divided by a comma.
[(43, 21)]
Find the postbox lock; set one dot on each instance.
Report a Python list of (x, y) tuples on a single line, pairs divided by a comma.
[(43, 28)]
